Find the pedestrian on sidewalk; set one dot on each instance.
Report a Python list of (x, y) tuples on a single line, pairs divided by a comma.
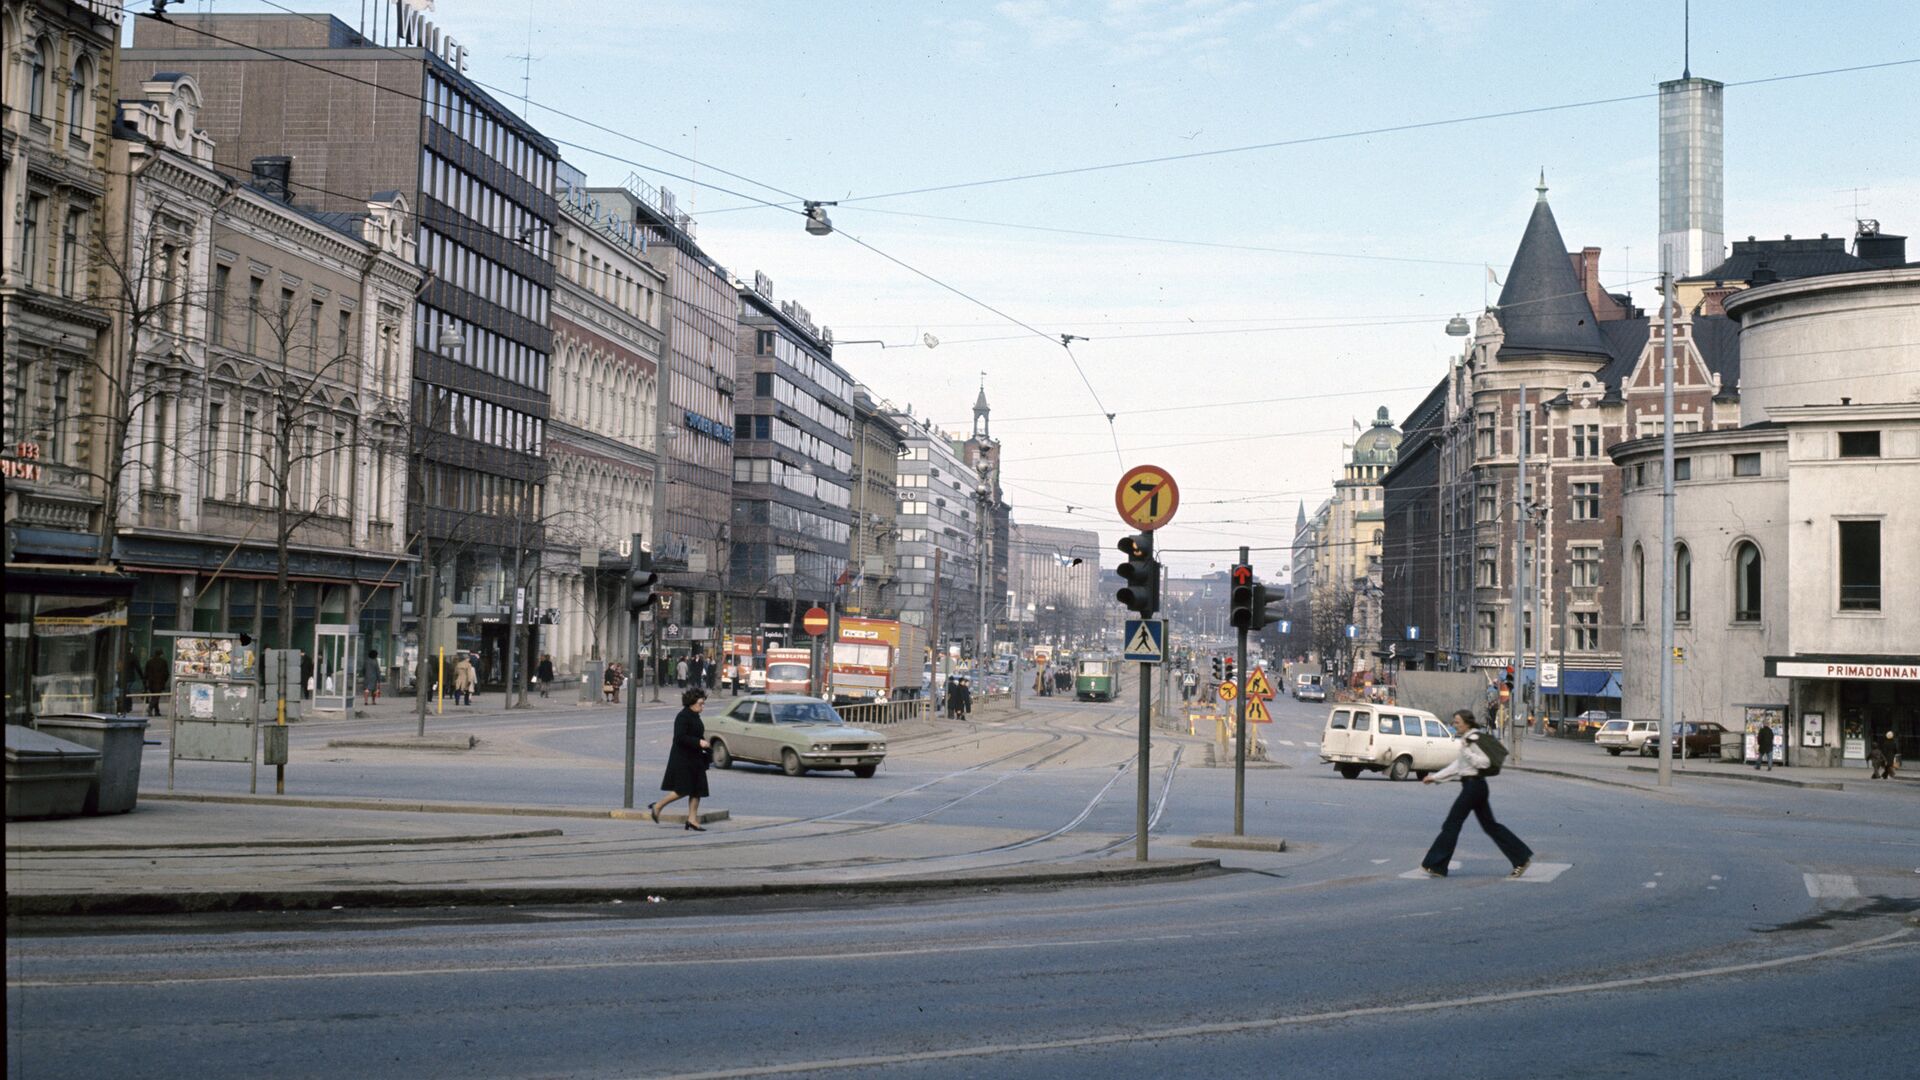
[(544, 673), (370, 678), (1886, 755), (686, 775), (1472, 799), (966, 698), (464, 680), (157, 672), (1765, 739), (680, 673)]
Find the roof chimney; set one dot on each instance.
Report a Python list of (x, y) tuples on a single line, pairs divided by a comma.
[(273, 176)]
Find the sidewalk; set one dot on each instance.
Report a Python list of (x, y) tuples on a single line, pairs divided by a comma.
[(1582, 760)]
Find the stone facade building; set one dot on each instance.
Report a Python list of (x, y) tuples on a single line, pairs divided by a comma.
[(609, 333), (1792, 605), (1053, 577), (265, 463), (938, 535), (878, 442)]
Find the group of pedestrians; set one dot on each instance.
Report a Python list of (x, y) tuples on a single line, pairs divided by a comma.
[(959, 697)]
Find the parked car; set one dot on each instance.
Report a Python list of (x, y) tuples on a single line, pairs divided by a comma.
[(1382, 738), (796, 732), (1701, 739), (1584, 724), (757, 680), (1619, 736)]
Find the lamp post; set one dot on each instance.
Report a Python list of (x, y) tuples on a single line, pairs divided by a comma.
[(426, 599)]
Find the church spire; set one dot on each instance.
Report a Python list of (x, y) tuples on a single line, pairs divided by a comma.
[(981, 411)]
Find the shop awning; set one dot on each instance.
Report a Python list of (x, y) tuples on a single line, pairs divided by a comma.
[(1590, 683)]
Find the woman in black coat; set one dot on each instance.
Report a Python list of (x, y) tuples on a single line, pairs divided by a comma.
[(686, 776)]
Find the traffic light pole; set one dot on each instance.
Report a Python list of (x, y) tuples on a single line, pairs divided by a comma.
[(1240, 727), (634, 566), (1142, 788)]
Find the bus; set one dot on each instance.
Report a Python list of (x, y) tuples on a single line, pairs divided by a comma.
[(1097, 678)]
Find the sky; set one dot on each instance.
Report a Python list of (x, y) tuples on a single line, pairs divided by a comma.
[(1343, 177)]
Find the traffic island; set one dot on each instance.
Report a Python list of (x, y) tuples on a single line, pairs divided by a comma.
[(1240, 843), (446, 741)]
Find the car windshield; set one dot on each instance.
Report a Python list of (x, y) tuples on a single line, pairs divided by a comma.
[(812, 712), (791, 672)]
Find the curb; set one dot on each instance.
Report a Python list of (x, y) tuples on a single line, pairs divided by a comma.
[(1565, 775), (425, 807), (448, 742), (317, 842), (106, 902), (1816, 785)]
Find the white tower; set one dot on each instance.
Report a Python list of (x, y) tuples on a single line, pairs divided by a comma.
[(1692, 175)]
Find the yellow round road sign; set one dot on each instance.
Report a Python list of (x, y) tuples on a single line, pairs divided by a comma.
[(1146, 497), (1227, 691)]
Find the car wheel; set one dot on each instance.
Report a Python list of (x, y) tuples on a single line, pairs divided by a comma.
[(865, 772), (1351, 772), (722, 757), (1614, 750), (1401, 766), (790, 763)]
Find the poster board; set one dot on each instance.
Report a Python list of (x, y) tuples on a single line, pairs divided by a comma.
[(216, 700), (1773, 716)]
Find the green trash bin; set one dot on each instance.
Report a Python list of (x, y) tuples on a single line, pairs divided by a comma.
[(121, 741)]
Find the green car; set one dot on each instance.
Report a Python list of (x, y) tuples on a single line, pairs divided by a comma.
[(795, 732)]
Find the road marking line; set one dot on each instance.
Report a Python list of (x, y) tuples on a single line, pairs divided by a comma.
[(1274, 1023), (1377, 862), (587, 965), (1831, 886), (1417, 873), (1542, 872)]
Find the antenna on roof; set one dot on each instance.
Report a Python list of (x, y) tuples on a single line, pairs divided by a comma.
[(1686, 40)]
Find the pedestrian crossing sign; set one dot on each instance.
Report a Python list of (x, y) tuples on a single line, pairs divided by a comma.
[(1146, 640)]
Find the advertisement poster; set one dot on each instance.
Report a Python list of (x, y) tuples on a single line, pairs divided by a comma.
[(1772, 716), (200, 701), (1813, 729)]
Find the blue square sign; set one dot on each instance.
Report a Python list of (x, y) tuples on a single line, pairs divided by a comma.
[(1146, 640)]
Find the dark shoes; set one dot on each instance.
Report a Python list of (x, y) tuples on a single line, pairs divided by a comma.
[(654, 813), (1521, 869), (1431, 872), (691, 827)]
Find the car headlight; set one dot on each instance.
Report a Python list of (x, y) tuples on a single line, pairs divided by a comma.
[(880, 746), (818, 747)]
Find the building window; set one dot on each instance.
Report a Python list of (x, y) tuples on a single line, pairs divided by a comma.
[(1859, 566), (41, 62), (1586, 566), (254, 287), (1586, 440), (70, 252), (1486, 506), (1859, 444), (1586, 631), (1682, 469), (1489, 630), (1639, 584), (30, 238), (1586, 501), (1682, 583), (1746, 464), (62, 414), (217, 317), (78, 89), (1484, 444), (1486, 567), (1746, 582)]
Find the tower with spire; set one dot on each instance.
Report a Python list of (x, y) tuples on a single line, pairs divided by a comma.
[(981, 411), (1692, 169)]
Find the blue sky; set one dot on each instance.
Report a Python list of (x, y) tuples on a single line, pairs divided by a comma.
[(830, 100)]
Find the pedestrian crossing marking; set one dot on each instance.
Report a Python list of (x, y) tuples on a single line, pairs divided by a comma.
[(1540, 873), (1146, 640), (1417, 873), (1832, 886)]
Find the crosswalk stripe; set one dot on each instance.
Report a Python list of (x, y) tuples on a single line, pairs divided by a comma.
[(1831, 886), (1416, 873), (1540, 873)]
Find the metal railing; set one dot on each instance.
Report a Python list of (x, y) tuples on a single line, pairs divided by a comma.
[(880, 714)]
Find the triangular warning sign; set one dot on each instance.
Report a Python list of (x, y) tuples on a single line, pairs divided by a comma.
[(1257, 710), (1257, 684), (1143, 641)]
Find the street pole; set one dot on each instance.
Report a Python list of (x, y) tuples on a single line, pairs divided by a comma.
[(1519, 600), (1666, 527), (423, 609), (639, 560), (513, 619), (1142, 788), (1240, 726)]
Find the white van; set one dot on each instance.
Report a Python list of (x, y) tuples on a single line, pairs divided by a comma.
[(1382, 738)]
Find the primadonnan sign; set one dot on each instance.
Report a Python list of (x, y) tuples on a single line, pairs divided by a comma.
[(1146, 497)]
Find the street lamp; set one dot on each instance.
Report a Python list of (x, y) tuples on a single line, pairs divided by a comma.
[(818, 224)]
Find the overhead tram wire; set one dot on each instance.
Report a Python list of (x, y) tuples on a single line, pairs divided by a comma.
[(1389, 129)]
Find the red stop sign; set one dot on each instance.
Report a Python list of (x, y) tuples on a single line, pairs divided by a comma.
[(814, 621)]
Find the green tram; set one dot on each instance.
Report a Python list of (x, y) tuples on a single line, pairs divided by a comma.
[(1097, 678)]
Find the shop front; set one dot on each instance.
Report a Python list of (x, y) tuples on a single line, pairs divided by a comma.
[(1840, 703), (65, 638)]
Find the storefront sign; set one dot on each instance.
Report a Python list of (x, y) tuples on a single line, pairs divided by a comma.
[(415, 28), (1803, 669), (24, 465), (713, 429)]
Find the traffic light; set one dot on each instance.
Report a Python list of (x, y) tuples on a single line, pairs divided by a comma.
[(1219, 670), (640, 582), (1240, 602), (1230, 664), (1142, 575)]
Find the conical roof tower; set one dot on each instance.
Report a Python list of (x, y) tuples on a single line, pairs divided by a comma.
[(1543, 308)]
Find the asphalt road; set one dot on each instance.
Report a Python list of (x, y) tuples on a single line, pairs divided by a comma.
[(1736, 933)]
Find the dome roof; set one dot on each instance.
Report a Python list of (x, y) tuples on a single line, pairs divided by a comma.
[(1380, 444)]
